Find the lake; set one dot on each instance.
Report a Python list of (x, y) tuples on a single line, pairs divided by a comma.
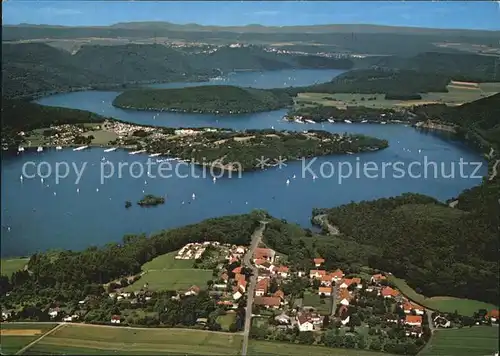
[(37, 215)]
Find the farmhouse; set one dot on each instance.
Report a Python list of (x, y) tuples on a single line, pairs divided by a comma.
[(327, 291), (409, 306), (337, 275), (264, 254), (413, 320), (318, 262), (314, 273), (388, 292), (282, 271), (326, 280), (268, 302), (377, 278), (347, 282), (261, 288)]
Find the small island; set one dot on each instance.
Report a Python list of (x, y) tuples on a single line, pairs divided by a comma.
[(212, 99), (151, 200), (128, 204)]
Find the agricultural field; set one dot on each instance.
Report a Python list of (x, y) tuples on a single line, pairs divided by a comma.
[(444, 304), (475, 341), (267, 348), (457, 94), (314, 300), (172, 279), (11, 265), (94, 339), (13, 337), (167, 261)]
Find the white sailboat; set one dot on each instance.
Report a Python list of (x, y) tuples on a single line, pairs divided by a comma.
[(110, 149), (97, 190), (80, 148), (214, 179), (287, 181), (331, 121), (348, 121), (39, 149), (58, 148), (193, 196), (364, 121), (294, 176), (78, 190), (20, 149), (21, 178)]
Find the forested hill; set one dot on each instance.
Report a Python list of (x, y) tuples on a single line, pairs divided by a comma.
[(478, 121), (216, 99), (30, 68), (438, 250)]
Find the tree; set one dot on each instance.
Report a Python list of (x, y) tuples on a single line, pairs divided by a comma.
[(349, 342), (273, 286), (361, 342), (375, 345), (316, 283), (326, 322)]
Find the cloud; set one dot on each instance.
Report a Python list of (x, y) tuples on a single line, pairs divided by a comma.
[(266, 13), (53, 11)]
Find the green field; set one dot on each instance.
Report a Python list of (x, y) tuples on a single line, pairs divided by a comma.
[(475, 341), (314, 300), (167, 261), (225, 321), (11, 265), (267, 348), (443, 304), (455, 96), (16, 341), (172, 279), (87, 339)]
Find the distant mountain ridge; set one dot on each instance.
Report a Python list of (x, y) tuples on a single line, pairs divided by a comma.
[(338, 28)]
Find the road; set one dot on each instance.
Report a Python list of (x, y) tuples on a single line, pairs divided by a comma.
[(20, 352), (247, 261)]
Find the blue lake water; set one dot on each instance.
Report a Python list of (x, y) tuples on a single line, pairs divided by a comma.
[(39, 216)]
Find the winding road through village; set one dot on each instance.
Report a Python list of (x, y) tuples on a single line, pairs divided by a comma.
[(247, 260)]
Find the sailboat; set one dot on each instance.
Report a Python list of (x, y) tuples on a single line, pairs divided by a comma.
[(58, 148), (348, 121), (214, 179), (39, 149), (294, 176), (21, 178), (287, 181), (193, 196)]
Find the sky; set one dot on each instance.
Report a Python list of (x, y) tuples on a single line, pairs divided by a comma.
[(436, 14)]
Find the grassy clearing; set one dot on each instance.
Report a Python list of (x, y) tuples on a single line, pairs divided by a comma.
[(173, 279), (456, 95), (225, 321), (314, 300), (443, 304), (267, 348), (11, 265), (482, 340), (13, 337), (167, 261), (86, 339), (102, 137)]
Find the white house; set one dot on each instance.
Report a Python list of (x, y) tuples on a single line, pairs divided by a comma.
[(304, 324), (115, 319), (345, 321)]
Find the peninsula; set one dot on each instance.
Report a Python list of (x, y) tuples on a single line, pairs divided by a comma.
[(210, 99)]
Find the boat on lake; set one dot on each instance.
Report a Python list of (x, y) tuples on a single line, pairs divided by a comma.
[(155, 155), (331, 121), (80, 148), (136, 152), (39, 149), (58, 148), (348, 121), (20, 149), (310, 122), (111, 149)]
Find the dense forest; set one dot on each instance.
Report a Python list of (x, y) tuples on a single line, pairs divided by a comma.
[(216, 99), (382, 81), (354, 113), (478, 121)]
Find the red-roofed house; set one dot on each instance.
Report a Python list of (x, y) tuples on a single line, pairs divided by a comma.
[(409, 306), (279, 293), (326, 280), (318, 262), (282, 271), (264, 254), (413, 320), (304, 323), (347, 282), (115, 319), (268, 302), (237, 270), (388, 292), (325, 290), (493, 315), (344, 297), (337, 275), (316, 273), (261, 287), (376, 278)]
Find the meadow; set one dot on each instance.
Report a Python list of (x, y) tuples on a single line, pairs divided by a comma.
[(11, 265), (267, 348), (475, 341), (444, 304), (94, 339), (314, 300), (167, 261), (13, 337), (172, 279), (456, 95)]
